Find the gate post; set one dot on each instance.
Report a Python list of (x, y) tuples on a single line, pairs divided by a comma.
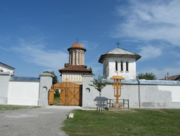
[(87, 91), (44, 86), (4, 86)]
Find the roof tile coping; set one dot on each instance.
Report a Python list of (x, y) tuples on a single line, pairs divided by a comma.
[(46, 74)]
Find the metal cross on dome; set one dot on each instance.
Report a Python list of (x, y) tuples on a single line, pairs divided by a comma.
[(118, 44)]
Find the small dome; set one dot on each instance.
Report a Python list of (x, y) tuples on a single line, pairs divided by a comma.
[(76, 45)]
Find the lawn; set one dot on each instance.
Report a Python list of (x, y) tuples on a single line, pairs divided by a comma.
[(56, 100), (136, 122), (16, 107)]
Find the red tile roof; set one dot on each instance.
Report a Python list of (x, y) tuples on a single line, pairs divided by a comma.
[(172, 77), (77, 45), (75, 68)]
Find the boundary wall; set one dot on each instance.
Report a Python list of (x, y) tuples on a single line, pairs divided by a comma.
[(139, 95), (20, 91)]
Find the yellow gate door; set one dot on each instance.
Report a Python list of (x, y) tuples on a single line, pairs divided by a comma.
[(70, 94)]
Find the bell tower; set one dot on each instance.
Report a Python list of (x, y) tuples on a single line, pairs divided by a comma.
[(76, 54)]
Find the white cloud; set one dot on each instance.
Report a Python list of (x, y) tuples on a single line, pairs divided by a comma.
[(5, 49), (149, 52), (161, 73), (150, 20), (37, 54)]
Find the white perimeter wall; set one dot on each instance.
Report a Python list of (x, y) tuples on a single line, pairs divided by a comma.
[(23, 93), (151, 96)]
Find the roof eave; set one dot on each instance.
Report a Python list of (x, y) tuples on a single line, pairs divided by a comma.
[(118, 55), (76, 48), (7, 66), (72, 71)]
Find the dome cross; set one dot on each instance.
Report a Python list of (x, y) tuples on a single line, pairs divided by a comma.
[(118, 44)]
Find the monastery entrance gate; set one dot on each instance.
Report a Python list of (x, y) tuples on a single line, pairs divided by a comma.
[(70, 94)]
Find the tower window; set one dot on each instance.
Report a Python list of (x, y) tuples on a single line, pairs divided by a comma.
[(116, 66), (127, 66), (121, 66)]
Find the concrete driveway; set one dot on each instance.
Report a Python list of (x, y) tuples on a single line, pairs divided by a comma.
[(45, 121)]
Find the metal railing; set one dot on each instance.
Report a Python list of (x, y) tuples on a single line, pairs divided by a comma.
[(124, 102)]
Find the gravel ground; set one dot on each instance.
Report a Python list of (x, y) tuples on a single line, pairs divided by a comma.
[(45, 121)]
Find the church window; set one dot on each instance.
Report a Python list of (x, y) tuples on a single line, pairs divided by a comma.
[(127, 66), (116, 66), (121, 66)]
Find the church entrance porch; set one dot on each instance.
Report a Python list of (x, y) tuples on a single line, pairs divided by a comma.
[(70, 94)]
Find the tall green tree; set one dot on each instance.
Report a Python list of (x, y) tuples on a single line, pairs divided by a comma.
[(55, 79), (91, 69), (147, 76), (98, 84)]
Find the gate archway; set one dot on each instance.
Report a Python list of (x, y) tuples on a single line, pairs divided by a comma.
[(70, 94)]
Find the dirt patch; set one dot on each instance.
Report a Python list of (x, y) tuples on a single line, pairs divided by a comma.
[(160, 110)]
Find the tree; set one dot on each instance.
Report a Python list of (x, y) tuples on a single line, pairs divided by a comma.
[(56, 93), (91, 69), (98, 84), (55, 80), (65, 64), (147, 76)]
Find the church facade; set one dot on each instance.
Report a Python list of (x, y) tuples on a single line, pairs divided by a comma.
[(75, 69)]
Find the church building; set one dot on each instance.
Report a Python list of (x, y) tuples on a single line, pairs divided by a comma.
[(75, 69), (119, 61)]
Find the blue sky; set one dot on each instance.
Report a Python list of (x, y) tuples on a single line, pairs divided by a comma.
[(35, 34)]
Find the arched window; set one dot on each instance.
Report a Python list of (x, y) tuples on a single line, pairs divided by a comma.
[(116, 66), (121, 66), (127, 66)]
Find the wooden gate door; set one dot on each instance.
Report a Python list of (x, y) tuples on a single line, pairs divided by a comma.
[(70, 93)]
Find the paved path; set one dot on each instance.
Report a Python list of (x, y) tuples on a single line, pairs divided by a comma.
[(45, 121)]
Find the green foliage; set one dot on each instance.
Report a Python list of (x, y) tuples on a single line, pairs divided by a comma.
[(56, 94), (91, 69), (55, 80), (147, 76), (65, 64), (98, 84)]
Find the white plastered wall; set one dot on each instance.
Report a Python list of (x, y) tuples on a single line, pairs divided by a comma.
[(6, 69), (72, 77), (151, 96), (23, 93), (175, 92), (111, 70)]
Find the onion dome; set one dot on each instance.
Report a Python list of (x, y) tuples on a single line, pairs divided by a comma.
[(76, 45)]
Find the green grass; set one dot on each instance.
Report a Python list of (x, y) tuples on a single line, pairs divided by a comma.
[(16, 107), (136, 122), (56, 100)]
